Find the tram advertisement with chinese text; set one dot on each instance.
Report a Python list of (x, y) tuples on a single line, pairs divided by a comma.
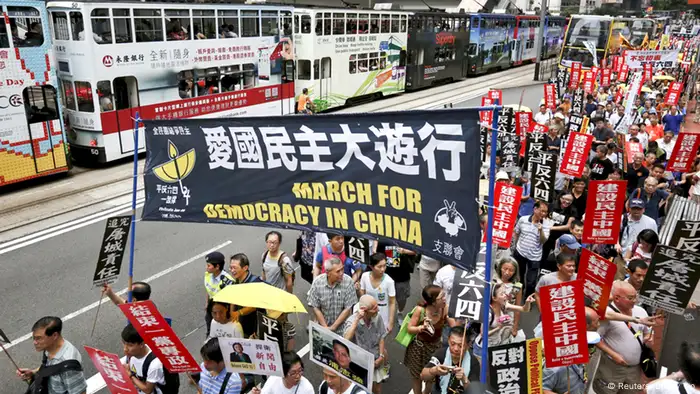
[(365, 175)]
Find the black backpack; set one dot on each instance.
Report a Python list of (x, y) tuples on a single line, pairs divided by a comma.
[(40, 382), (172, 380), (279, 264), (324, 389)]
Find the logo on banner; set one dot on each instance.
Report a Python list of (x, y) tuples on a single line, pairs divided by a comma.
[(451, 220), (177, 168)]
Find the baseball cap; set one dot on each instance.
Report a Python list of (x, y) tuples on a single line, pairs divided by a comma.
[(637, 203), (215, 258), (569, 241), (559, 115), (502, 176), (593, 337)]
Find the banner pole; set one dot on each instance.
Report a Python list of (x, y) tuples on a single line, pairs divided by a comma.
[(8, 356), (99, 304), (133, 205), (489, 248)]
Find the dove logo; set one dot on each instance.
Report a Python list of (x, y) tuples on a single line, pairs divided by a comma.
[(450, 219)]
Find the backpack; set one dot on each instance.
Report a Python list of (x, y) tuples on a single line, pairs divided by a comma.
[(172, 380), (40, 383), (279, 264), (324, 389), (326, 253)]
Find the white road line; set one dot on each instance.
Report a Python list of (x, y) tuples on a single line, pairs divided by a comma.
[(123, 291), (65, 227)]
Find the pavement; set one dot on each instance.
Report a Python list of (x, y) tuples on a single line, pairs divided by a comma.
[(47, 266)]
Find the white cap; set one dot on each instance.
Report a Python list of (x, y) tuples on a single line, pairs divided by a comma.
[(502, 176)]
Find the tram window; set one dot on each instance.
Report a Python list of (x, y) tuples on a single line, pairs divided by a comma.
[(270, 23), (317, 69), (305, 24), (228, 22), (363, 24), (352, 65), (472, 50), (373, 61), (382, 60), (83, 92), (428, 25), (148, 26), (104, 94), (395, 23), (126, 93), (386, 23), (362, 63), (122, 25), (374, 24), (250, 23), (304, 70), (338, 24), (248, 75), (101, 31), (4, 40), (319, 24), (60, 26), (204, 24), (177, 25), (327, 21), (286, 17), (351, 24), (40, 103), (25, 26), (67, 96), (404, 24), (297, 23), (412, 57), (77, 26)]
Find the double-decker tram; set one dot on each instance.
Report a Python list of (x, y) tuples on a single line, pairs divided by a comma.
[(32, 143), (525, 36), (438, 45), (586, 41), (490, 42), (347, 55), (554, 32), (166, 60)]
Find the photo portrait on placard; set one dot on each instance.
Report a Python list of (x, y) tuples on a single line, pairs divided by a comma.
[(335, 352), (251, 356)]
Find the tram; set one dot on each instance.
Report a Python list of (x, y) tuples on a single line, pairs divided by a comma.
[(32, 141), (586, 41)]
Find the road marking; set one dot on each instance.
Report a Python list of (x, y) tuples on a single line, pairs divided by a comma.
[(123, 291), (63, 228)]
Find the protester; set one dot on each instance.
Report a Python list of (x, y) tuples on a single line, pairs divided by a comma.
[(672, 120), (214, 379), (278, 269), (427, 269), (530, 234), (380, 286), (453, 367), (654, 198), (601, 167), (293, 381), (578, 191), (335, 384), (543, 116), (60, 371), (215, 279), (366, 329), (222, 326), (636, 172), (145, 370), (332, 296), (685, 381), (400, 263), (501, 317), (240, 270), (633, 223), (140, 291), (643, 248), (336, 247), (444, 279)]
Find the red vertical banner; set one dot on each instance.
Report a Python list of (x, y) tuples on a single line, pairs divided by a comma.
[(522, 122), (486, 117), (588, 82), (684, 152), (648, 72), (564, 324), (624, 73), (617, 63), (538, 128), (159, 337), (550, 93), (604, 212), (575, 76), (632, 148), (495, 94), (594, 71), (576, 154), (605, 75), (110, 368), (619, 95), (507, 200), (597, 275), (674, 93)]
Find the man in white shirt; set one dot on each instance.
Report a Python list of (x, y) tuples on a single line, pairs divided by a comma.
[(633, 223), (616, 119), (543, 116), (137, 353), (334, 384), (668, 142)]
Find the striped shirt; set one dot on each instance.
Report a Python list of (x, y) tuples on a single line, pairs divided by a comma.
[(332, 300), (212, 384), (70, 382), (529, 245)]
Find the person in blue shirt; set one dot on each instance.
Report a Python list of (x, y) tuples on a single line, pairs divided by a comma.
[(672, 121), (590, 105), (336, 246)]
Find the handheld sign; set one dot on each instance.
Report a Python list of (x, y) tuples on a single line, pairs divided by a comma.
[(109, 263), (110, 367), (251, 356)]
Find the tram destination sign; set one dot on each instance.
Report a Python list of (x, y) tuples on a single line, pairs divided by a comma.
[(405, 177)]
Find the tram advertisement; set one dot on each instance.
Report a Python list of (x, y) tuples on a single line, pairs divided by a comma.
[(406, 177)]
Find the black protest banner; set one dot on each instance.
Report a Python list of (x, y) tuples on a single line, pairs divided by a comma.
[(357, 249), (555, 83), (544, 170), (534, 142), (510, 150), (686, 236), (270, 329), (483, 141), (677, 328), (4, 337), (506, 120), (671, 279), (468, 291), (562, 81), (575, 124), (577, 101), (516, 367), (109, 264), (405, 177)]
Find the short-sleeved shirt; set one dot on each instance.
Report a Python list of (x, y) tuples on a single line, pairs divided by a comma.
[(550, 279), (618, 336), (529, 245), (349, 265), (600, 169), (212, 384), (554, 379), (70, 382), (633, 228), (398, 266), (273, 269), (367, 336), (672, 122), (668, 386), (634, 177), (445, 279), (382, 294), (275, 385), (155, 371), (332, 300), (652, 202), (438, 358)]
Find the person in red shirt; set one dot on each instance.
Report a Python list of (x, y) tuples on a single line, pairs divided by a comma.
[(655, 130)]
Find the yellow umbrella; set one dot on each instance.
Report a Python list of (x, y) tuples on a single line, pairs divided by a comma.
[(646, 90), (515, 107), (260, 295), (663, 78)]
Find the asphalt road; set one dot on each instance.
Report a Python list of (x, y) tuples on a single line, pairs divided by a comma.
[(53, 277)]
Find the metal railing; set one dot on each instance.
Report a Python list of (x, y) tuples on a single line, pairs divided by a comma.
[(680, 208), (547, 69)]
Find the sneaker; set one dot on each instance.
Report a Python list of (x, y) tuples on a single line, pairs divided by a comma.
[(400, 318)]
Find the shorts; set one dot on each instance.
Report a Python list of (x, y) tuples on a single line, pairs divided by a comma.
[(403, 291), (288, 330)]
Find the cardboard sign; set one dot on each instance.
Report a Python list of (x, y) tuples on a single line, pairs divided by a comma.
[(605, 76), (624, 73), (522, 122), (496, 95), (270, 329), (535, 142), (550, 100), (357, 249), (576, 154), (564, 324), (671, 279), (544, 169), (606, 199), (517, 367), (486, 117), (575, 76), (577, 102), (674, 93), (114, 242), (632, 148), (159, 337), (110, 368), (507, 199), (684, 152), (598, 275), (251, 356), (589, 82), (686, 236), (467, 295)]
